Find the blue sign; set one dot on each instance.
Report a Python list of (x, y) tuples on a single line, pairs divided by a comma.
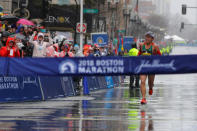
[(127, 42), (63, 2), (100, 39)]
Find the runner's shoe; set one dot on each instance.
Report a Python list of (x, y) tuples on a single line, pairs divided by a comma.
[(150, 91), (143, 101)]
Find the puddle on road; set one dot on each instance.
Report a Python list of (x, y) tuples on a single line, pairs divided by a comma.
[(115, 109)]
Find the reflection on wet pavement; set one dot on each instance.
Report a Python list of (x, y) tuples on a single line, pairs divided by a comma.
[(171, 108)]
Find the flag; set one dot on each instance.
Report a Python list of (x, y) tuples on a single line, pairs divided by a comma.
[(122, 48)]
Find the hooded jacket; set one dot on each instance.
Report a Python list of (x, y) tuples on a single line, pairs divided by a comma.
[(8, 51), (40, 47)]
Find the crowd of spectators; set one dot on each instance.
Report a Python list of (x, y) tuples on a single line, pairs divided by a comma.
[(18, 40)]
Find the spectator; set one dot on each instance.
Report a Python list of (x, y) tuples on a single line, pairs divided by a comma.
[(64, 52), (78, 53), (50, 51), (10, 50), (40, 47), (56, 50), (4, 39)]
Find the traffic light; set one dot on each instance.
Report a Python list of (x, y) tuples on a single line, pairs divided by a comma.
[(184, 9), (182, 25)]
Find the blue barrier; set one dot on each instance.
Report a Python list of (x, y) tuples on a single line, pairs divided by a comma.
[(15, 89), (52, 87), (68, 86), (93, 83), (116, 81), (102, 82), (189, 44), (109, 81), (85, 86), (19, 89)]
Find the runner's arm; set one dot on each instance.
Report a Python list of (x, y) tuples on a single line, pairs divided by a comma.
[(31, 41), (139, 50)]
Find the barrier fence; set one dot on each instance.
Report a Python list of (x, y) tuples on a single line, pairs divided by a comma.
[(188, 44), (18, 89), (46, 78)]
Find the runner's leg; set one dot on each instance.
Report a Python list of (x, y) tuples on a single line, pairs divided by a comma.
[(143, 85), (151, 79), (137, 79)]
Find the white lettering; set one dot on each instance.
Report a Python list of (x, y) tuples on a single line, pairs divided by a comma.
[(100, 69), (109, 63), (155, 64), (81, 69)]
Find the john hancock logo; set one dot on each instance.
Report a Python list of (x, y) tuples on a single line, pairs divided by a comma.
[(155, 64), (68, 67)]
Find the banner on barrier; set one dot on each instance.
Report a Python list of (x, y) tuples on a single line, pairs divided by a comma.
[(102, 65), (19, 89)]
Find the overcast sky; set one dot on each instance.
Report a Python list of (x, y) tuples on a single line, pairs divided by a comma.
[(176, 6)]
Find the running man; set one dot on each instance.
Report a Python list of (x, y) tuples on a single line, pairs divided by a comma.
[(147, 48)]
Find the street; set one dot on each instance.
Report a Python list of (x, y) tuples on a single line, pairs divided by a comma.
[(171, 108)]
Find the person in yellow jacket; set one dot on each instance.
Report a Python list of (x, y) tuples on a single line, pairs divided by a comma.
[(134, 52)]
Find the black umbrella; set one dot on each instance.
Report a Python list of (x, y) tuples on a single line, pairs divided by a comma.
[(9, 18)]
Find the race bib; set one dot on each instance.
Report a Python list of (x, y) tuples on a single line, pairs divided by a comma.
[(11, 52)]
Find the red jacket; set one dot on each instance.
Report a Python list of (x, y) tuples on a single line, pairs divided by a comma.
[(6, 51)]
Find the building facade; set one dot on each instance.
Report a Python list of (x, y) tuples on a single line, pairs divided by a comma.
[(162, 7), (6, 5)]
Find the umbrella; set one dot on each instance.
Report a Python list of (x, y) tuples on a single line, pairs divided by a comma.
[(18, 35), (9, 18), (25, 22), (37, 21)]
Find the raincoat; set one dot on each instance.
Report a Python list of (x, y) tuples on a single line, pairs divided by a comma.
[(8, 51), (40, 47)]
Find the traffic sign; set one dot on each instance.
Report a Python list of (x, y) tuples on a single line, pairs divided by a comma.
[(84, 28), (90, 11)]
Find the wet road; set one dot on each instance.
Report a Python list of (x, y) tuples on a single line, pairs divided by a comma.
[(173, 107)]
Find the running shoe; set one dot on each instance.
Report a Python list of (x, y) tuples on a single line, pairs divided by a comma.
[(143, 101), (150, 91)]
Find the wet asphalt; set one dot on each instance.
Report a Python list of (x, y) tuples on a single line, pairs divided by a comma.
[(172, 107)]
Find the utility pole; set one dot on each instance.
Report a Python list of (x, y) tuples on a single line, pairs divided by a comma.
[(81, 28)]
